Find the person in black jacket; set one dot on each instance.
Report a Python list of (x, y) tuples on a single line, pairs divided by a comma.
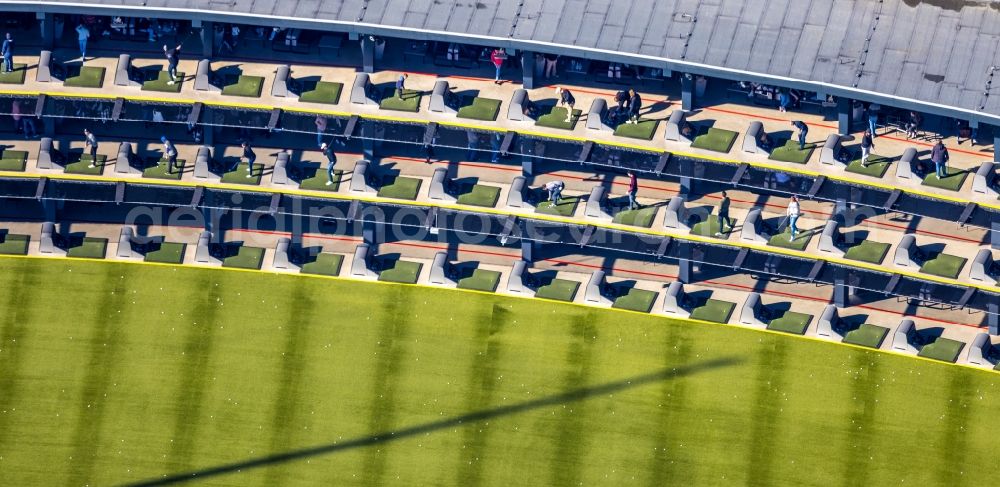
[(249, 155), (566, 98), (803, 130), (634, 105), (173, 57)]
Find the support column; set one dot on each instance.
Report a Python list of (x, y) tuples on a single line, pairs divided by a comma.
[(685, 186), (684, 271), (996, 143), (367, 54), (993, 318), (369, 233), (527, 250), (527, 166), (844, 115), (48, 26), (207, 34), (208, 131), (368, 139), (687, 92), (840, 293), (528, 70), (49, 209)]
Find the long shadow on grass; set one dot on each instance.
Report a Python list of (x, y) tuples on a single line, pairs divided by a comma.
[(388, 436)]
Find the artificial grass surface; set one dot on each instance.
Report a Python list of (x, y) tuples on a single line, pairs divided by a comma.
[(327, 92), (480, 280), (634, 299), (88, 248), (401, 188), (248, 86), (714, 310), (942, 349), (82, 165), (400, 271), (158, 169), (164, 371), (15, 77), (877, 166), (317, 182), (408, 101), (85, 77), (168, 252), (556, 119), (13, 160), (867, 336), (944, 265), (784, 240), (952, 181), (14, 244), (566, 206), (559, 290), (718, 140), (791, 322), (485, 109), (643, 217), (789, 152), (710, 227), (326, 264), (479, 195), (239, 175), (643, 130), (868, 251), (162, 83), (246, 257)]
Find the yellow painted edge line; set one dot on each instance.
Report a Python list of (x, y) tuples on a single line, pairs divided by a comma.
[(502, 295), (497, 211), (626, 145)]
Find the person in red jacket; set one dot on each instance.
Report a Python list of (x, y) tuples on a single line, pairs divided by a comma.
[(498, 57)]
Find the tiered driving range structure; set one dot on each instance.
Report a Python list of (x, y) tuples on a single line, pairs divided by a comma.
[(446, 180)]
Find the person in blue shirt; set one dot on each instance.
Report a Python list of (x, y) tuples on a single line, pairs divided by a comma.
[(8, 53), (400, 85), (171, 152)]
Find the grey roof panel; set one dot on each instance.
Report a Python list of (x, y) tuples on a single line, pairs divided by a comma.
[(919, 50), (785, 52), (718, 48), (806, 52)]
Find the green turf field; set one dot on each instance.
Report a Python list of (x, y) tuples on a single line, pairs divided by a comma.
[(789, 152), (478, 108), (84, 77), (643, 130), (407, 101), (248, 86), (327, 92), (263, 379), (13, 160), (162, 83), (717, 140), (556, 119), (15, 77)]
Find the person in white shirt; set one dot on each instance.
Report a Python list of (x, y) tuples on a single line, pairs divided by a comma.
[(555, 191), (793, 216)]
